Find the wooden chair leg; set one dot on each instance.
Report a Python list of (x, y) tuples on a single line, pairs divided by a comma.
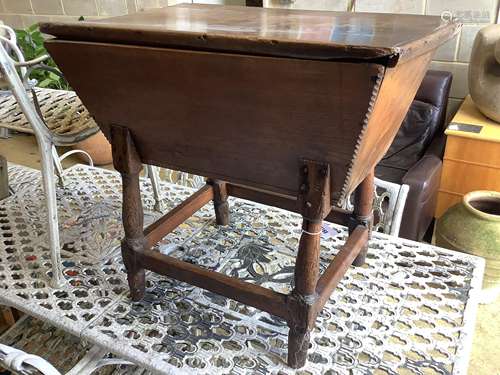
[(221, 205), (363, 212), (314, 199), (127, 161)]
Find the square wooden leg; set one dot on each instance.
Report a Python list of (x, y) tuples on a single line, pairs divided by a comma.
[(221, 205)]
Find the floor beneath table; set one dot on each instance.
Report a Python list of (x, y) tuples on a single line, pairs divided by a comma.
[(22, 149)]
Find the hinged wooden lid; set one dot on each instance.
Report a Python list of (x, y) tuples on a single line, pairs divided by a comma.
[(388, 38)]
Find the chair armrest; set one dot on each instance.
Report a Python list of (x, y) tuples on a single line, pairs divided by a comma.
[(36, 61), (418, 175), (423, 179), (19, 361), (437, 146)]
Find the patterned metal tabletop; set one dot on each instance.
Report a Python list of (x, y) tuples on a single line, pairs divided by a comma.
[(409, 310)]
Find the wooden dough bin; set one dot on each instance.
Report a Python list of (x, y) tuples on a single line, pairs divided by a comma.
[(288, 108)]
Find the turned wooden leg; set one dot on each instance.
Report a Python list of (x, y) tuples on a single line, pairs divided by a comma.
[(298, 345), (128, 163), (314, 198), (303, 297), (221, 205), (363, 212)]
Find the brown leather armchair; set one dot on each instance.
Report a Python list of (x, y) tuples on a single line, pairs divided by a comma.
[(415, 156)]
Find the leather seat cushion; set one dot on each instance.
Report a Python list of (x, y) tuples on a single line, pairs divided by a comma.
[(390, 174), (414, 136)]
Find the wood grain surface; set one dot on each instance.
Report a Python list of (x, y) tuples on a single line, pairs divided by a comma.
[(276, 32), (386, 113), (242, 119)]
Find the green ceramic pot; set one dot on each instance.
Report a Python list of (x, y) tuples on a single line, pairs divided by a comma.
[(473, 227)]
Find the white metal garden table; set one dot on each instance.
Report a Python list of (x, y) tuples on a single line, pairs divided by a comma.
[(411, 306)]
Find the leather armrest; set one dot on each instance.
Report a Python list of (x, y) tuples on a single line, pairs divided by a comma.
[(423, 179), (437, 146)]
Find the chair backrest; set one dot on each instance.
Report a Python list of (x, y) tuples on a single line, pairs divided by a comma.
[(424, 121), (18, 83), (57, 115), (388, 205), (435, 90)]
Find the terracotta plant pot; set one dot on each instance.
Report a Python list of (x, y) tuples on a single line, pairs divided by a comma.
[(98, 148), (473, 227)]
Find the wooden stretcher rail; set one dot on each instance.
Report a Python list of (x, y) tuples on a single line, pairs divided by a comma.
[(167, 223), (249, 294), (336, 215), (339, 265)]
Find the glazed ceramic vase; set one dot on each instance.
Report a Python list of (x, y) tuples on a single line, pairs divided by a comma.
[(473, 227), (484, 72)]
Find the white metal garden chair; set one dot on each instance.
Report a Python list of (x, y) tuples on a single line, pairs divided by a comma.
[(389, 201), (15, 75), (388, 206), (70, 356)]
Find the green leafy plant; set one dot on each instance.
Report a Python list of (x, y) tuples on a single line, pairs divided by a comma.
[(30, 41)]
